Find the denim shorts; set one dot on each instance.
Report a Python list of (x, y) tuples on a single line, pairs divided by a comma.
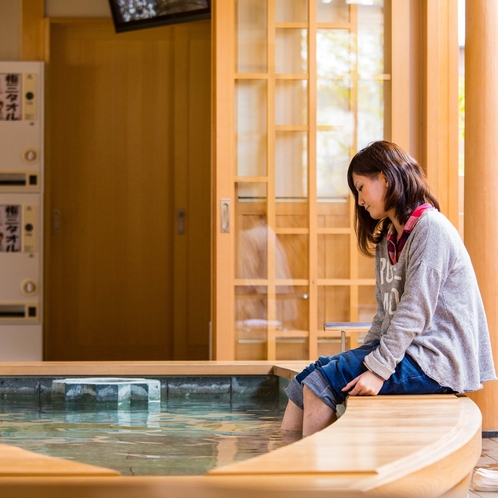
[(329, 374)]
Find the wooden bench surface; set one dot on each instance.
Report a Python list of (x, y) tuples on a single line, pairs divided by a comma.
[(420, 446)]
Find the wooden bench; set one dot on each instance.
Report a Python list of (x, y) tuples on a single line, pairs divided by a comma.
[(386, 446)]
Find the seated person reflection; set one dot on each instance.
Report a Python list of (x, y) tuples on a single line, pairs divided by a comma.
[(252, 260)]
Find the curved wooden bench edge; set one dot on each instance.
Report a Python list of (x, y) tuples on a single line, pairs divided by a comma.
[(440, 468)]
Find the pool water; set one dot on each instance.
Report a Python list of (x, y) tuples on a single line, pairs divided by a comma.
[(168, 438)]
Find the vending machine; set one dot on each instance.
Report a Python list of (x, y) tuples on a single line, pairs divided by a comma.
[(21, 211)]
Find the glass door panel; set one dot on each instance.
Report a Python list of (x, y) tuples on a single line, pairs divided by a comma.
[(332, 161), (291, 53), (250, 25), (291, 10), (332, 11), (250, 112), (335, 215), (333, 303), (307, 94), (366, 267), (291, 102), (334, 256), (291, 168), (370, 125)]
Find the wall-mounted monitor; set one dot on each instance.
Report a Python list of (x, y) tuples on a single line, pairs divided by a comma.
[(129, 15)]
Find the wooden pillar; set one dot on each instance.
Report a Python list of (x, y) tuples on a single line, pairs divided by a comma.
[(33, 30), (481, 173), (440, 133)]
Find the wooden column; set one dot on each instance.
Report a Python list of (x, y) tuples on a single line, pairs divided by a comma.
[(481, 173), (33, 30), (441, 103)]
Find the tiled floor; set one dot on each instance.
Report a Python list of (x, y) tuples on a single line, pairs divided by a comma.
[(488, 460)]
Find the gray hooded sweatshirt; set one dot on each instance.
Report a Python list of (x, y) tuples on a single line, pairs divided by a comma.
[(429, 306)]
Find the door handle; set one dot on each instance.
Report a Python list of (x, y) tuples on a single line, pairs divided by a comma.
[(56, 221), (181, 221), (225, 215)]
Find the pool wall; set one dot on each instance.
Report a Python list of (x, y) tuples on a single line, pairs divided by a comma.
[(223, 388)]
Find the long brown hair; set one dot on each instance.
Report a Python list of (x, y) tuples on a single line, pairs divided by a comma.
[(407, 188)]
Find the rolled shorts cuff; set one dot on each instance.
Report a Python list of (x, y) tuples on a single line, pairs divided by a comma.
[(318, 386), (294, 392)]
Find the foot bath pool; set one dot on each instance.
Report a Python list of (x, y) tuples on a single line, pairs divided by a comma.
[(192, 430)]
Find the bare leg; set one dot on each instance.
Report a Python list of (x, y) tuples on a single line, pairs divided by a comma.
[(293, 418), (317, 415)]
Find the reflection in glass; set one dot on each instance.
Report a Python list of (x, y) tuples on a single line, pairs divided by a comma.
[(291, 165), (251, 127), (250, 321), (293, 307), (250, 25), (258, 247), (291, 51), (252, 244)]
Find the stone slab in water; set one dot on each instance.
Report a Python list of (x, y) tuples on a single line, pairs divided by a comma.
[(108, 390)]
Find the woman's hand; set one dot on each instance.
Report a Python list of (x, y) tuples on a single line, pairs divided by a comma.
[(366, 384)]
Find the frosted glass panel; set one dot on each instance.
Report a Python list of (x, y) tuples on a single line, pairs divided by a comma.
[(250, 322), (292, 213), (334, 214), (333, 104), (366, 267), (367, 307), (291, 102), (291, 165), (291, 256), (291, 10), (251, 242), (291, 55), (254, 193), (333, 256), (251, 127), (332, 11), (334, 57), (333, 304), (332, 164), (370, 40), (250, 25), (292, 307), (251, 231), (370, 112)]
